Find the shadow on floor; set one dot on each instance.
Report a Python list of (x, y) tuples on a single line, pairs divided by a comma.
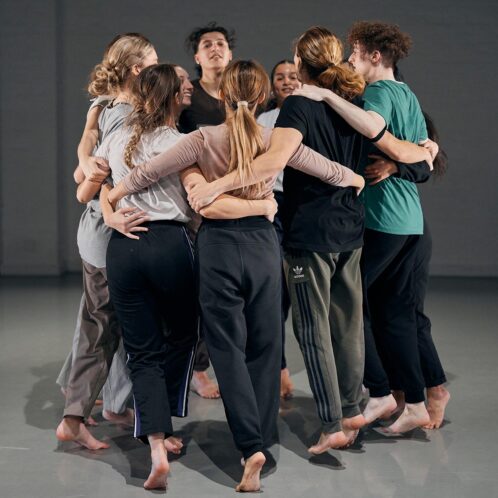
[(299, 414), (45, 402)]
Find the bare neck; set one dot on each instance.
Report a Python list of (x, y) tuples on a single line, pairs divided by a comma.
[(210, 82), (380, 72), (124, 95)]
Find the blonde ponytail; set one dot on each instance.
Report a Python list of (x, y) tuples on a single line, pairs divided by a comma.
[(244, 85)]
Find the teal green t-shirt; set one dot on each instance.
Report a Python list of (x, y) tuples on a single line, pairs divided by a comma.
[(393, 205)]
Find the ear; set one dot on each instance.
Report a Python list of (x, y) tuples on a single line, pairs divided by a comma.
[(135, 69), (376, 57), (262, 98), (230, 56)]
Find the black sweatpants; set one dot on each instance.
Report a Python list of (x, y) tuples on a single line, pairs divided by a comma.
[(432, 369), (239, 270), (279, 228), (152, 287), (388, 263)]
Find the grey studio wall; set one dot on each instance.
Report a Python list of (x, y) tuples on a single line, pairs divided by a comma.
[(48, 48)]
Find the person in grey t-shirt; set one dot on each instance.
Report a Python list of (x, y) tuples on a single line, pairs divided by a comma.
[(98, 335)]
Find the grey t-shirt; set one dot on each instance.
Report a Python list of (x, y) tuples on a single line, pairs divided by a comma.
[(93, 234), (268, 120), (164, 200)]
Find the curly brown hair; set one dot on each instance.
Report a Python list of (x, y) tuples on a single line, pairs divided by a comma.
[(388, 39)]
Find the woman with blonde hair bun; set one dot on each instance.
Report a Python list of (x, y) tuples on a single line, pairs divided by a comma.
[(238, 260), (97, 334)]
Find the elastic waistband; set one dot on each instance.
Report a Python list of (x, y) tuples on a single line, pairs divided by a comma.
[(239, 223), (159, 223)]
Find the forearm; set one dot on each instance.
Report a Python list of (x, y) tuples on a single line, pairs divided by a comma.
[(312, 163), (416, 172), (78, 175), (402, 150), (360, 120), (183, 154), (87, 190), (227, 207), (87, 144), (105, 205), (266, 166), (283, 144)]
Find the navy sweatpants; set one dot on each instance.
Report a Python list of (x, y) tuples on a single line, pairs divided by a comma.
[(239, 277), (152, 287)]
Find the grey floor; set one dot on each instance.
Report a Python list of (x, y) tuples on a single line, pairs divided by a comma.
[(36, 324)]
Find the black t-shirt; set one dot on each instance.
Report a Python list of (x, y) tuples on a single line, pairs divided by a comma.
[(319, 217), (204, 110)]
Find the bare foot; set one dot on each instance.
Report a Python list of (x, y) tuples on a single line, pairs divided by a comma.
[(414, 415), (173, 444), (379, 407), (437, 399), (286, 385), (202, 385), (126, 418), (73, 429), (399, 396), (252, 470), (160, 466), (351, 428), (329, 441), (354, 423), (351, 435), (90, 421)]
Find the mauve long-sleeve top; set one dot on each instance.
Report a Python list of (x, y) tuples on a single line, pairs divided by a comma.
[(209, 148)]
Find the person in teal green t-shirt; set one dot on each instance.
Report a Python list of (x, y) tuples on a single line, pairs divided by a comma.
[(391, 117)]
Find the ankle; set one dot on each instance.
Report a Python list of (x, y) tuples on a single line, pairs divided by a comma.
[(436, 391)]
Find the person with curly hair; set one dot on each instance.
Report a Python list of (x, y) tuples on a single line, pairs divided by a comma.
[(394, 222)]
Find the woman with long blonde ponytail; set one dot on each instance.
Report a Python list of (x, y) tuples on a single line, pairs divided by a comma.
[(238, 259), (323, 236)]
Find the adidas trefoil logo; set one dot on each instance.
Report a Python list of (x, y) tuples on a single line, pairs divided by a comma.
[(298, 272)]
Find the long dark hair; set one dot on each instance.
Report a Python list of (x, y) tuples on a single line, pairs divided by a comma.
[(155, 92), (440, 163)]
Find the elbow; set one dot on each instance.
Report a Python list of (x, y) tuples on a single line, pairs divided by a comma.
[(205, 212), (209, 212), (82, 198), (370, 133), (216, 213)]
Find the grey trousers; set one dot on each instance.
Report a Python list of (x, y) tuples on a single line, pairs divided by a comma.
[(97, 345), (327, 316), (117, 389)]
